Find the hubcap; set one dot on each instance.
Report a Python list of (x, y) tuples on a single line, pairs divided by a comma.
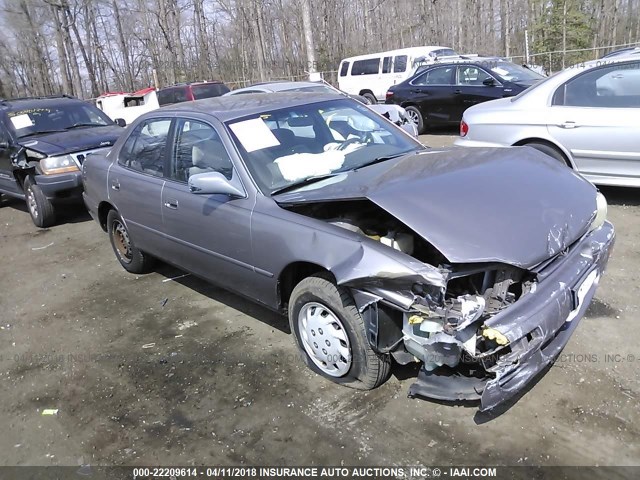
[(31, 203), (122, 242), (413, 116), (324, 339)]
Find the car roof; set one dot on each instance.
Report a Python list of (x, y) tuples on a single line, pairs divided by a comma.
[(226, 108), (279, 86), (38, 102)]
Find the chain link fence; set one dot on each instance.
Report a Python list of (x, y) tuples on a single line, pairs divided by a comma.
[(554, 61)]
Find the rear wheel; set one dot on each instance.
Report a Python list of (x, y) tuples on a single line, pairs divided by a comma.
[(329, 332), (131, 258), (40, 207), (370, 98), (553, 152), (415, 116)]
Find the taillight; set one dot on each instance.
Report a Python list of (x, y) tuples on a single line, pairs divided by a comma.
[(464, 128), (389, 94)]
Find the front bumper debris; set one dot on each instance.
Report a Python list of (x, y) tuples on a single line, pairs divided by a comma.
[(538, 326)]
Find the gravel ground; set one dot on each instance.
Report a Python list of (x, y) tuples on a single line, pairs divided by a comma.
[(150, 370)]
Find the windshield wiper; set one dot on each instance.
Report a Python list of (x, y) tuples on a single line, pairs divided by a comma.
[(302, 183), (78, 125), (383, 159)]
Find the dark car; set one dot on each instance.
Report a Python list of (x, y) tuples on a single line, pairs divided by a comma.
[(186, 92), (439, 94), (373, 245), (43, 142)]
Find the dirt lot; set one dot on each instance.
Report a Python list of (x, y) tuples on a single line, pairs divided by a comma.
[(149, 370)]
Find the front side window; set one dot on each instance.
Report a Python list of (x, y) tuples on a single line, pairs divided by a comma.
[(436, 76), (198, 149), (614, 86), (282, 148), (344, 68), (469, 75), (366, 67), (145, 149), (400, 64), (43, 119)]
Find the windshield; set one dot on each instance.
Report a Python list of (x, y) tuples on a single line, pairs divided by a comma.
[(56, 118), (290, 146), (514, 73)]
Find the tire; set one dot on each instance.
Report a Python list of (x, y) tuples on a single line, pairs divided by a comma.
[(415, 115), (553, 152), (370, 98), (318, 302), (131, 258), (40, 207)]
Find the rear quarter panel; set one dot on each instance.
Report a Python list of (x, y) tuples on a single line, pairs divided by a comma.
[(95, 171)]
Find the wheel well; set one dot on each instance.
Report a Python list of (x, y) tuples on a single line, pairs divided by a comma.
[(21, 175), (362, 92), (526, 141), (103, 212), (293, 274)]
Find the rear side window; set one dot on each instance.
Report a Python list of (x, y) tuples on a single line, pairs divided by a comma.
[(145, 149), (400, 64), (614, 86), (386, 65), (366, 67), (435, 76), (208, 90), (344, 68), (165, 96)]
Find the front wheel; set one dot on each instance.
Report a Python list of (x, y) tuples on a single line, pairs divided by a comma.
[(415, 116), (131, 258), (40, 207), (330, 335), (370, 98)]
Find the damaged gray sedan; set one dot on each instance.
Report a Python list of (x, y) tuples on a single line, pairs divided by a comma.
[(477, 263)]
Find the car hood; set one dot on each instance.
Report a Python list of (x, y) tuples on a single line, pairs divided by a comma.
[(76, 140), (513, 205), (526, 83)]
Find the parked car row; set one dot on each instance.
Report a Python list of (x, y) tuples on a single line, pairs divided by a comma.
[(319, 208)]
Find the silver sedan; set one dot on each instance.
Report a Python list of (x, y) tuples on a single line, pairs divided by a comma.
[(586, 116)]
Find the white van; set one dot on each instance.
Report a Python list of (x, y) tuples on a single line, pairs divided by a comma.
[(371, 75)]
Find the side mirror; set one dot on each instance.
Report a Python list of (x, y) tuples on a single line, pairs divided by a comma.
[(121, 122), (213, 183), (489, 82)]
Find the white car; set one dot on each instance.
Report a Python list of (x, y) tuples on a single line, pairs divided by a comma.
[(585, 116)]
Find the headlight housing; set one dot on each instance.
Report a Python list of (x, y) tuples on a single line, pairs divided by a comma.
[(601, 212), (61, 164)]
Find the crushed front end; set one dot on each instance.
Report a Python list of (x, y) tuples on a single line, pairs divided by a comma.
[(493, 328)]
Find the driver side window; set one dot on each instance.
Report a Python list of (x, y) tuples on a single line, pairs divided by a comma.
[(198, 149)]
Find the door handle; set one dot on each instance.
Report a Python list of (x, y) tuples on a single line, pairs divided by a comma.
[(457, 91), (568, 124), (115, 185), (172, 204)]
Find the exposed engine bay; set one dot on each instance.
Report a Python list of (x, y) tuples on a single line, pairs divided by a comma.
[(441, 329)]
